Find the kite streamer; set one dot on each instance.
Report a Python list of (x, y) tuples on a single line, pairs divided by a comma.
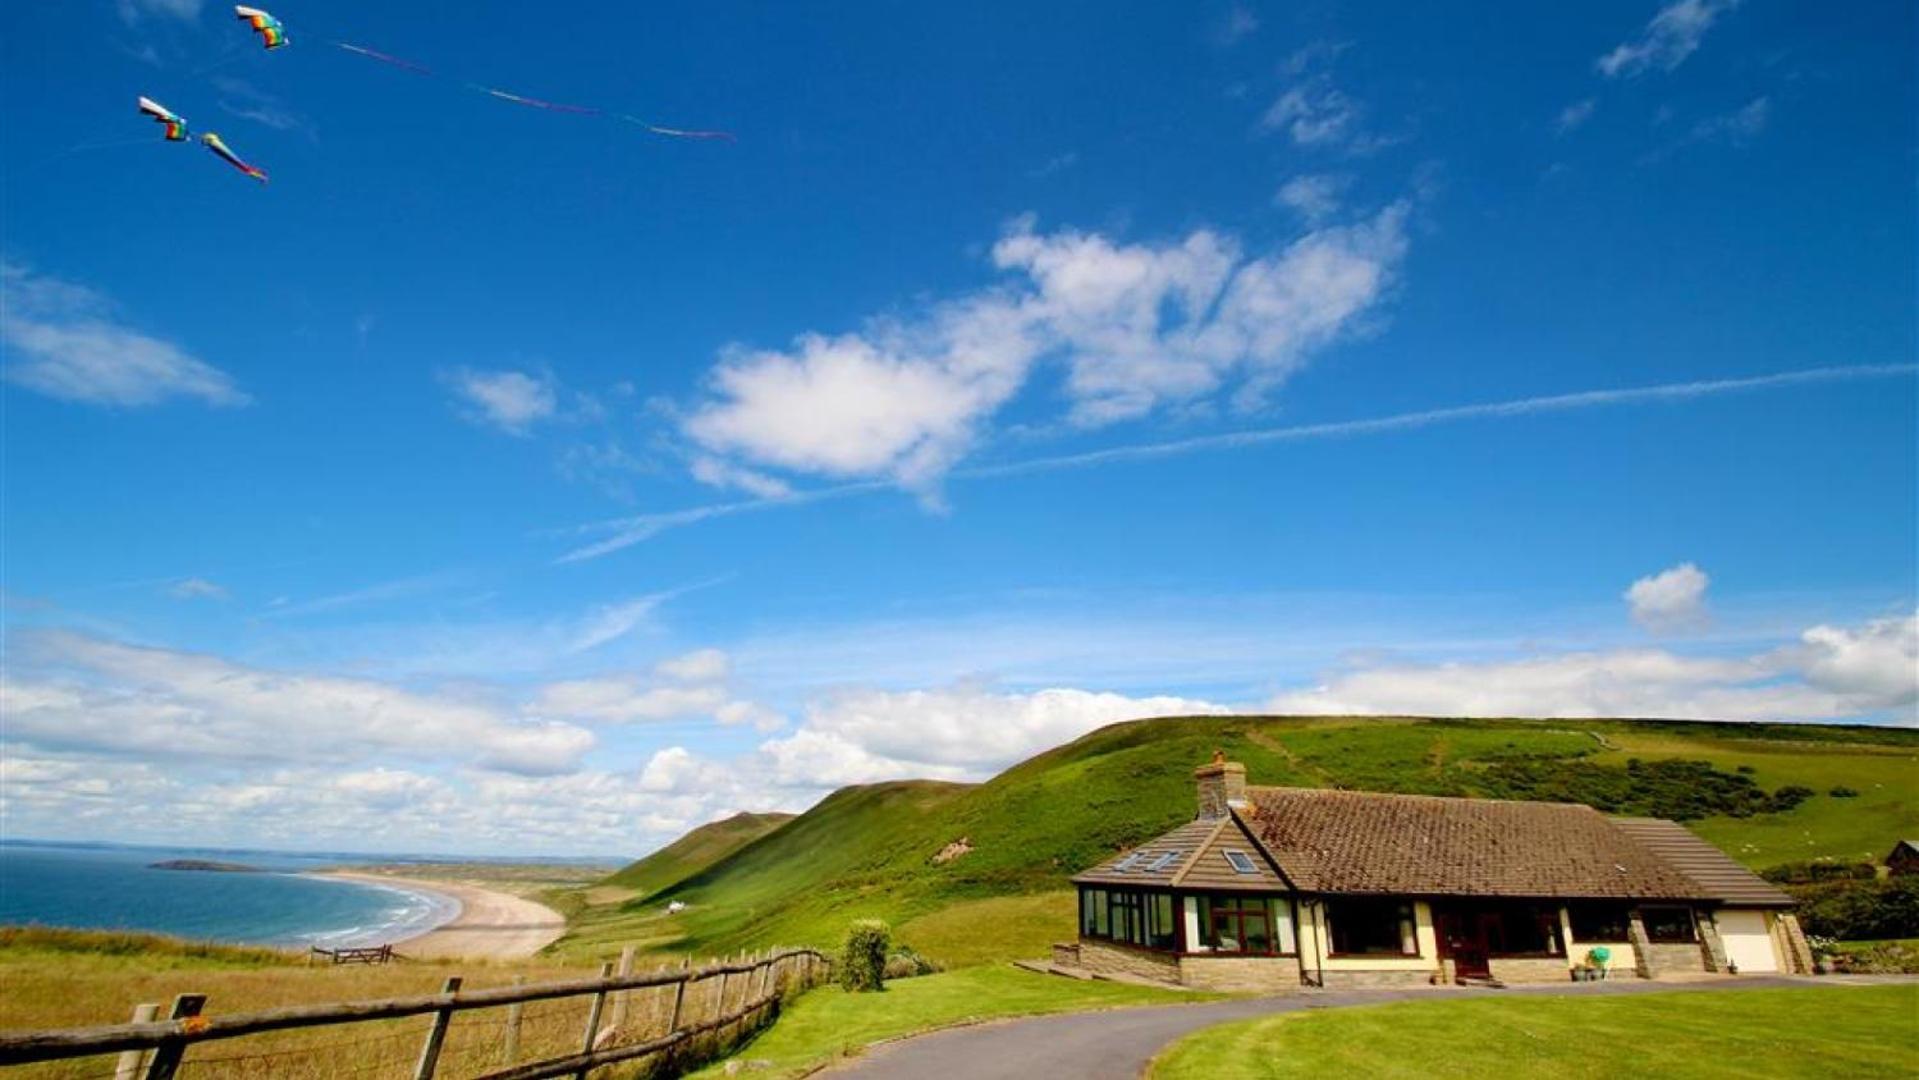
[(272, 33), (214, 143), (550, 106), (176, 126), (371, 54), (676, 133)]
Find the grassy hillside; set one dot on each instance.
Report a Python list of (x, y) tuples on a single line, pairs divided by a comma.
[(694, 852), (871, 850)]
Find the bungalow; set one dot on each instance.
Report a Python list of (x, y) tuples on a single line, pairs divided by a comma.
[(1271, 888)]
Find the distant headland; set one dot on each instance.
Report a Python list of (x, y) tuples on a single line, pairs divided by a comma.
[(205, 865)]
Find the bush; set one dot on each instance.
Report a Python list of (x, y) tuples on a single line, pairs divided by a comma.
[(1844, 792), (1812, 873), (1860, 910), (906, 962), (1683, 790), (863, 958)]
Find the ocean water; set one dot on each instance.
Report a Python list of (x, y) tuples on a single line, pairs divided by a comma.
[(116, 888)]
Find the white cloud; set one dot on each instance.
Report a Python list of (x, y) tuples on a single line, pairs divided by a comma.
[(1137, 326), (1313, 197), (1832, 674), (610, 622), (512, 401), (248, 102), (195, 588), (1238, 24), (76, 350), (1672, 35), (1670, 601), (701, 665), (626, 700), (131, 11), (1738, 127), (1317, 113), (94, 694), (960, 733), (1575, 115), (720, 474)]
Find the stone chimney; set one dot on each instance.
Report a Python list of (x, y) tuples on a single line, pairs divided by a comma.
[(1222, 786)]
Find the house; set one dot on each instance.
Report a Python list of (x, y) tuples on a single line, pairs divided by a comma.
[(1273, 888), (1904, 858)]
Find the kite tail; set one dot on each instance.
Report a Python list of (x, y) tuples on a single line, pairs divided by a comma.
[(371, 54), (678, 133)]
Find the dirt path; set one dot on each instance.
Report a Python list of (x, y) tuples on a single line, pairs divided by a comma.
[(1119, 1043), (491, 925)]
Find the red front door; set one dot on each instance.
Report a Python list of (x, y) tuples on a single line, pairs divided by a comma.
[(1463, 940)]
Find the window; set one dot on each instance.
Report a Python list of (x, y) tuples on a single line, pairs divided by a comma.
[(1600, 923), (1372, 927), (1164, 861), (1242, 862), (1246, 924), (1669, 925), (1127, 863), (1523, 930), (1128, 916)]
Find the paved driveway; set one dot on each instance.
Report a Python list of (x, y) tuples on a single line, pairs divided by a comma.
[(1117, 1044)]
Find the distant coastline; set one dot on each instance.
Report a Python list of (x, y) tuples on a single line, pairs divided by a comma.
[(205, 866)]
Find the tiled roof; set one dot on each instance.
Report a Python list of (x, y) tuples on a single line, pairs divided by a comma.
[(1181, 844), (1362, 842), (1712, 868)]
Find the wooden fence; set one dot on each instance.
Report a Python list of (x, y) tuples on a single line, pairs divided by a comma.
[(721, 1001)]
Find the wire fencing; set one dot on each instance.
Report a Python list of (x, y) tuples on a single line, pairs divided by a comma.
[(648, 1024)]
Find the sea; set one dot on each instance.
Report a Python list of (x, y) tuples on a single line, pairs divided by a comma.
[(110, 887)]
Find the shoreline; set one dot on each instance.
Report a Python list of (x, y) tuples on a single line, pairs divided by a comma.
[(489, 924)]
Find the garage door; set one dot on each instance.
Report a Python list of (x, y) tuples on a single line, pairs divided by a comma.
[(1748, 944)]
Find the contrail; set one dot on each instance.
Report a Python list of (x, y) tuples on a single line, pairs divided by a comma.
[(633, 530)]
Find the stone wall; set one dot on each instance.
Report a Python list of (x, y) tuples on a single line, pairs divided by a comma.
[(1265, 974), (1669, 959), (1364, 980), (1106, 958), (1530, 969), (1066, 954)]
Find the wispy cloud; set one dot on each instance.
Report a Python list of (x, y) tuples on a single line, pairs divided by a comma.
[(246, 101), (132, 11), (1672, 35), (196, 588), (76, 349), (510, 401), (625, 532), (1574, 116), (1738, 127)]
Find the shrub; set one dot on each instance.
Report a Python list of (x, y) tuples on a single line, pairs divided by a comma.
[(1680, 789), (1860, 910), (905, 962), (1844, 792), (863, 958), (1811, 873)]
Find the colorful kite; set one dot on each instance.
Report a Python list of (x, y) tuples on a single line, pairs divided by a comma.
[(176, 126), (269, 28), (214, 144)]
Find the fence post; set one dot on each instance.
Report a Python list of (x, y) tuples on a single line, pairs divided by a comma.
[(129, 1065), (511, 1051), (679, 999), (620, 999), (436, 1035), (166, 1057), (593, 1018)]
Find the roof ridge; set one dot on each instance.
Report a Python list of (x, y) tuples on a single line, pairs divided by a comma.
[(1200, 849), (1251, 788)]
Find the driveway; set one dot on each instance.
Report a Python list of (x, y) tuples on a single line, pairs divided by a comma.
[(1119, 1043)]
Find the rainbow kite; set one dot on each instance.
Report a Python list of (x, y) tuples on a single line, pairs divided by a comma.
[(176, 126), (271, 32), (214, 144)]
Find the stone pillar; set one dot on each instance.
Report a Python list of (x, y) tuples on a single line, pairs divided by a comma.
[(1711, 945), (1798, 952), (1641, 946), (1222, 786)]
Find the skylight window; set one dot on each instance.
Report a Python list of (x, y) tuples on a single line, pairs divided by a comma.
[(1127, 863), (1164, 861), (1242, 862)]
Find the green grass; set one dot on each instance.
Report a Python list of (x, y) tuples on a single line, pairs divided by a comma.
[(868, 852), (1830, 1031), (694, 852), (828, 1024)]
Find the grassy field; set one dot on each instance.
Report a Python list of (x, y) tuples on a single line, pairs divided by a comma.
[(870, 851), (1836, 1031), (828, 1024), (694, 852), (63, 978)]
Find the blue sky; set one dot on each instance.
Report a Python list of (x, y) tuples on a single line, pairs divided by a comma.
[(498, 479)]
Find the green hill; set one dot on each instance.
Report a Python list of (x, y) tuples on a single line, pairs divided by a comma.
[(1763, 792), (694, 852)]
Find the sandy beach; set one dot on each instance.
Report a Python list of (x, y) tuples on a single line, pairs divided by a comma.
[(491, 925)]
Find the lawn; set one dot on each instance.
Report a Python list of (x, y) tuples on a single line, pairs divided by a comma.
[(827, 1024), (1823, 1032)]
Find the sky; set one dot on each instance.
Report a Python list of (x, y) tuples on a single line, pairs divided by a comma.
[(504, 479)]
